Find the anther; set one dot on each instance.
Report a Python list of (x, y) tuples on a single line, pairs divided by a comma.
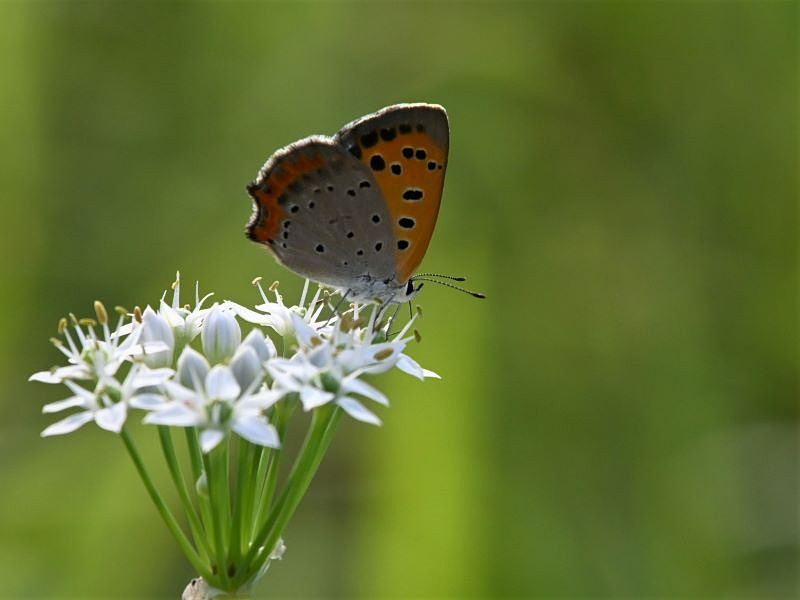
[(256, 281), (121, 310), (62, 325), (417, 336), (137, 314), (87, 322), (385, 353), (274, 285), (100, 311)]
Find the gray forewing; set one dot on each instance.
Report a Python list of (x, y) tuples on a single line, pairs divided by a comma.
[(336, 229)]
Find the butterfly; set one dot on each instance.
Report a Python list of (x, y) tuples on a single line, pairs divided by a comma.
[(356, 211)]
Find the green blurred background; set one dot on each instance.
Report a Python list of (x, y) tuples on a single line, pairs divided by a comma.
[(617, 420)]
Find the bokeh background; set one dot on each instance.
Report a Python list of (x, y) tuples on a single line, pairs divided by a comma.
[(618, 420)]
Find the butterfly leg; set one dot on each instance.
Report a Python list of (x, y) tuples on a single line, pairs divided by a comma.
[(335, 309)]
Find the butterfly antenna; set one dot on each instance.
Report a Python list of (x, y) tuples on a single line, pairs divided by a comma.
[(451, 286), (440, 276)]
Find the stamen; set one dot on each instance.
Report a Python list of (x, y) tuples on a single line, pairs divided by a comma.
[(303, 295), (137, 314), (100, 311), (121, 310), (62, 325)]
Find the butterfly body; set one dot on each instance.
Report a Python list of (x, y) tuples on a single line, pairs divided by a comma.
[(356, 211)]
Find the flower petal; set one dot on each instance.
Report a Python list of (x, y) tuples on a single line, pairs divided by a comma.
[(257, 430), (209, 438), (302, 330), (112, 418), (358, 411), (412, 367), (149, 377), (147, 401), (221, 384), (353, 385), (65, 404), (174, 413), (68, 425), (312, 397)]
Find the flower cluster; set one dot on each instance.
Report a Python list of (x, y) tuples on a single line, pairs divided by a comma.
[(225, 381)]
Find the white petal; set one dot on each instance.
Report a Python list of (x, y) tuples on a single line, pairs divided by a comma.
[(148, 377), (312, 397), (221, 384), (174, 413), (246, 368), (263, 346), (355, 409), (192, 369), (113, 417), (255, 429), (65, 404), (60, 374), (177, 392), (79, 391), (302, 330), (410, 366), (209, 438), (147, 401), (221, 335), (68, 425), (262, 400), (356, 386), (45, 377)]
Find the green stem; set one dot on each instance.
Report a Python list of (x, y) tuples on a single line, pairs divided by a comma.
[(255, 488), (198, 533), (198, 471), (323, 426), (244, 490), (169, 519), (213, 469), (268, 468)]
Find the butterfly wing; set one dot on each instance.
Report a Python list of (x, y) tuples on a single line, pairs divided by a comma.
[(321, 212), (405, 148)]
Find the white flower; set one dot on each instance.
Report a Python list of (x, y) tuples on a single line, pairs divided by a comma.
[(221, 335), (155, 328), (185, 323), (97, 359), (327, 368), (217, 405), (107, 405), (277, 316)]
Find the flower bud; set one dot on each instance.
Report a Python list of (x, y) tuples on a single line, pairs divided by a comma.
[(156, 329), (192, 369), (246, 368), (263, 346), (221, 335)]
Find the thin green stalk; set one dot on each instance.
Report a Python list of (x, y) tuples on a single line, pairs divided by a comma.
[(323, 426), (254, 489), (269, 468), (198, 471), (198, 533), (169, 519), (214, 482), (244, 489)]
